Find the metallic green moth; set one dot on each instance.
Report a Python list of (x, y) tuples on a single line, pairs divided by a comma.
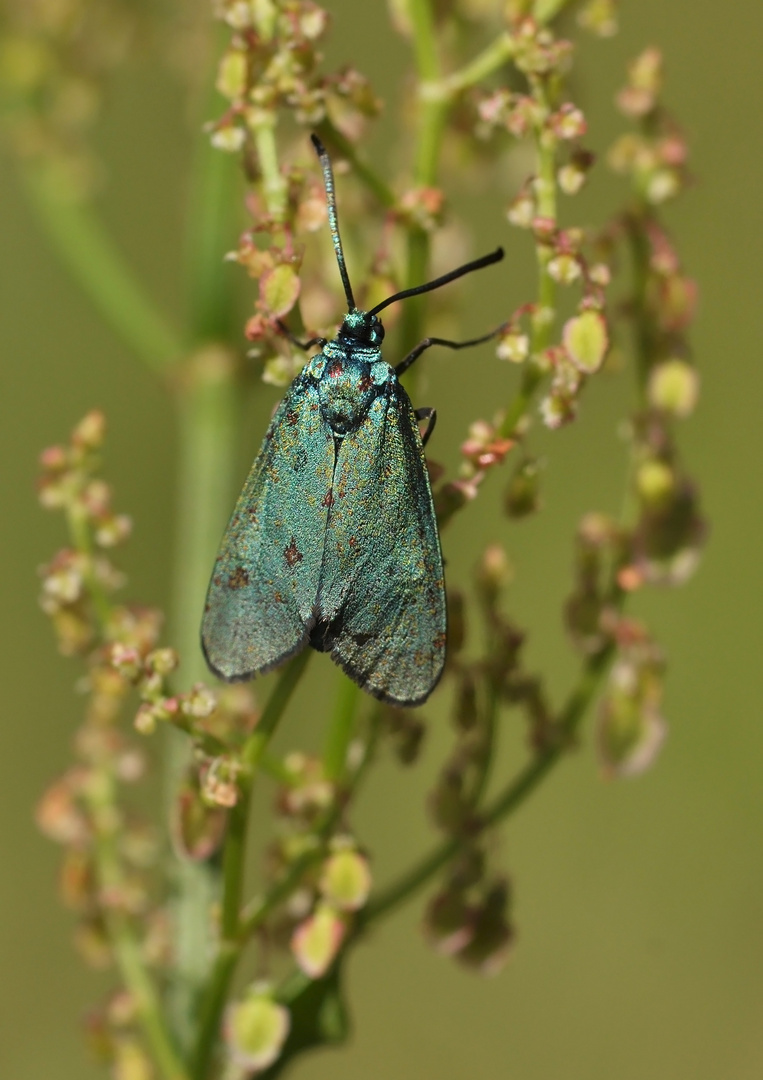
[(333, 541)]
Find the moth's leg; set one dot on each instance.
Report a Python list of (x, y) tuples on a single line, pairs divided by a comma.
[(305, 345), (422, 346), (430, 415)]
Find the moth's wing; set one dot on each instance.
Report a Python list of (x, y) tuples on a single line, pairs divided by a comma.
[(261, 599), (382, 595)]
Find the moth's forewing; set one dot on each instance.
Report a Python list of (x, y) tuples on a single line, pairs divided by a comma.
[(265, 582), (382, 590)]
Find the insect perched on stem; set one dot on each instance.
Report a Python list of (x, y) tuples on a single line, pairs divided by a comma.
[(333, 541)]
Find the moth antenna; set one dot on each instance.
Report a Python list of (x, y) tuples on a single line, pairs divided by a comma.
[(476, 264), (328, 183)]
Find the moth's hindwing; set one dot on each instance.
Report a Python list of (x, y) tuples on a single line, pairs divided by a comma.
[(382, 593), (263, 591)]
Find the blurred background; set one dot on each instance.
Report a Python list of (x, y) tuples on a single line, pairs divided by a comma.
[(639, 904)]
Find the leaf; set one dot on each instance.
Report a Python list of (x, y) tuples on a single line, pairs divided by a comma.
[(279, 289)]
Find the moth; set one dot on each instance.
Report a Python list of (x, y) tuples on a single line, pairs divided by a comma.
[(333, 542)]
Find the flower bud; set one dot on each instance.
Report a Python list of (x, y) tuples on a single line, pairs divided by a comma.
[(219, 782), (630, 729), (90, 431), (346, 880), (200, 702), (521, 211), (513, 346), (571, 178), (197, 828), (564, 268), (586, 341), (256, 1029), (126, 660), (238, 14), (655, 482), (600, 17), (316, 942), (58, 814), (568, 122), (668, 539), (494, 572), (422, 207), (232, 75), (674, 387), (229, 138)]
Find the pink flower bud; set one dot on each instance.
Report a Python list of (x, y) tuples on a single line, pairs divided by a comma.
[(316, 942)]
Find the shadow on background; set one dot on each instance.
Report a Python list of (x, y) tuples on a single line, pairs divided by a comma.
[(639, 904)]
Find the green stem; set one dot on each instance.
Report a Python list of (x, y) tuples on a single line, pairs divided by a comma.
[(238, 823), (127, 952), (233, 926), (257, 910), (212, 1006), (543, 320), (489, 60), (213, 216), (489, 751), (430, 127), (208, 422), (340, 730), (273, 182), (90, 256), (80, 532), (509, 800), (644, 331)]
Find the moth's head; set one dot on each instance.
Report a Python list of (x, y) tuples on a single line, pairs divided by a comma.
[(363, 327)]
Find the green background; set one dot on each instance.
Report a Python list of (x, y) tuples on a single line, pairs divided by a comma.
[(640, 903)]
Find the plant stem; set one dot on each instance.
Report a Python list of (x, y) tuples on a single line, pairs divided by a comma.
[(74, 232), (432, 117), (340, 730), (257, 910), (507, 801), (105, 817), (489, 60), (545, 311), (643, 328), (79, 530), (234, 852), (273, 182), (238, 822), (208, 419), (489, 750), (208, 422)]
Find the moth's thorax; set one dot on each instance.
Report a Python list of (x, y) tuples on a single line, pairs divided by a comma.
[(361, 328), (348, 385), (350, 374)]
